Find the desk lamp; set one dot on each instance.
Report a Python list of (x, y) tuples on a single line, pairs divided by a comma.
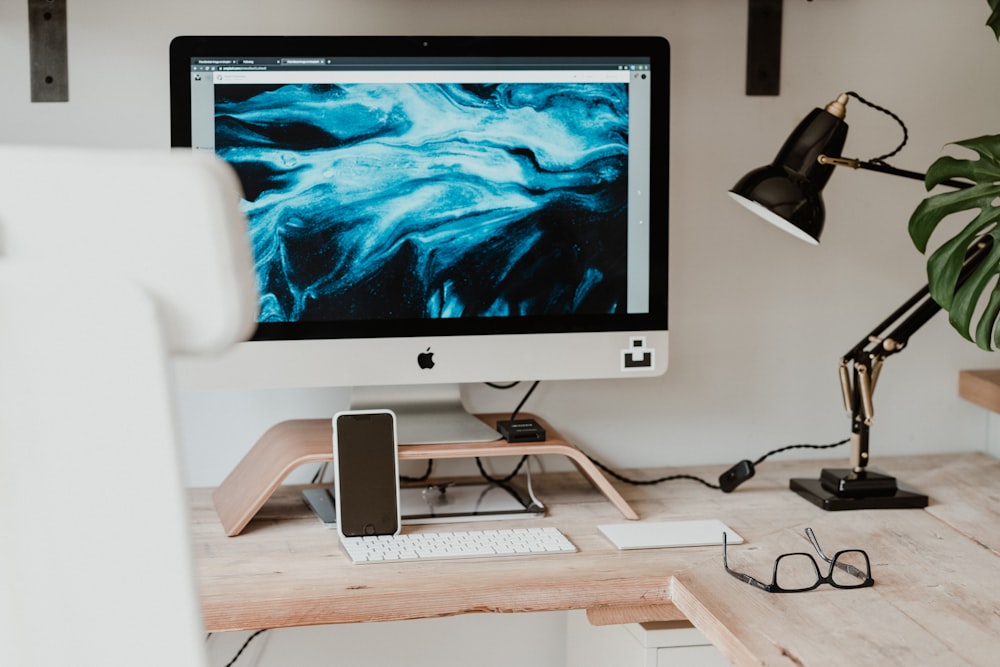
[(787, 193)]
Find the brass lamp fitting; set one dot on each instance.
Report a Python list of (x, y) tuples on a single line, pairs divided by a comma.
[(838, 107)]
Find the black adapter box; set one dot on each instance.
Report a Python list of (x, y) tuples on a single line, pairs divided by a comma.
[(521, 430)]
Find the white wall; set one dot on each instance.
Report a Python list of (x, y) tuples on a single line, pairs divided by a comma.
[(758, 320)]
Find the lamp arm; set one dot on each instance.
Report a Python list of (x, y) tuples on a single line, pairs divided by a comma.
[(860, 367), (895, 341), (884, 168)]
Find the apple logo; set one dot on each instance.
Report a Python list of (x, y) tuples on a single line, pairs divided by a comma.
[(426, 359)]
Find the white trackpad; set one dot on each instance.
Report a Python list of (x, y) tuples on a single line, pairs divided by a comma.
[(657, 534)]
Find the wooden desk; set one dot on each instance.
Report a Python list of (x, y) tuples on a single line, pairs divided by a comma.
[(936, 600)]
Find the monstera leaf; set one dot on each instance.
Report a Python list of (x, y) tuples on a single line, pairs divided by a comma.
[(944, 265), (994, 20)]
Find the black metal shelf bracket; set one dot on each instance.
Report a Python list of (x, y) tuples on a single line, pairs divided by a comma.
[(48, 51), (764, 47)]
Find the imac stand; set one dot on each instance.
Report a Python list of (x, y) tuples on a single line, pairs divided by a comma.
[(289, 444), (426, 414)]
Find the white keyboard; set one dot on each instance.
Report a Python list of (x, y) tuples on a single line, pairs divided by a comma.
[(458, 544)]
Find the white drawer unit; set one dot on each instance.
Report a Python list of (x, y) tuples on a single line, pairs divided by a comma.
[(661, 644)]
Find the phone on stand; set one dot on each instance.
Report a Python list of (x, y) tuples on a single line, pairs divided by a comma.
[(366, 473)]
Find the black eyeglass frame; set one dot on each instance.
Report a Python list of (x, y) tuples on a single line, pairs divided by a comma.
[(865, 577)]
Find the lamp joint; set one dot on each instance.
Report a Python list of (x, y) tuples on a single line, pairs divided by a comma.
[(853, 163)]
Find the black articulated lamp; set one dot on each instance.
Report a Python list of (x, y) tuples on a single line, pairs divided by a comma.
[(787, 193)]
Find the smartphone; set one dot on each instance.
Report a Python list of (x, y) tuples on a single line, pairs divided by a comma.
[(366, 473)]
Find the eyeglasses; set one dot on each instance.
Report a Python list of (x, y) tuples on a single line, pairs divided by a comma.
[(799, 572)]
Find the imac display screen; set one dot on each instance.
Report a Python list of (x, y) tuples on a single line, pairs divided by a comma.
[(447, 191)]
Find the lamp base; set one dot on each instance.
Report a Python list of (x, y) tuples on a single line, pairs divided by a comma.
[(844, 489)]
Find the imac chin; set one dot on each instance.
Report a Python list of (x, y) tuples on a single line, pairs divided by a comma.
[(420, 378)]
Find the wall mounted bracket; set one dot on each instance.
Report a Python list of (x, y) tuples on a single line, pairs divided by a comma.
[(764, 47), (47, 50)]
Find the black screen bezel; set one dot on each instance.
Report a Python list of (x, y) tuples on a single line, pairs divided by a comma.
[(655, 49)]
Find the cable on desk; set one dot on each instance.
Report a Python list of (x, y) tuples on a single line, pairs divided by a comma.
[(648, 482), (800, 446), (728, 480)]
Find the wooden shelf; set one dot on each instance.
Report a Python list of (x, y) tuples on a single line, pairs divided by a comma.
[(290, 444), (981, 387)]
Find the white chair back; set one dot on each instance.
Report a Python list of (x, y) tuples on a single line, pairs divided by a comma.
[(110, 261)]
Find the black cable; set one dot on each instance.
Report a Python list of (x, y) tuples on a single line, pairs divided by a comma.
[(524, 400), (711, 485), (319, 474), (425, 476), (906, 133), (648, 482), (244, 647), (513, 416), (509, 385), (747, 466), (802, 446), (502, 480)]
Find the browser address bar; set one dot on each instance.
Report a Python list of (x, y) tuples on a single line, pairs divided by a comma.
[(422, 76)]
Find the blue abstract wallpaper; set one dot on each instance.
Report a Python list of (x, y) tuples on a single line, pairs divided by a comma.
[(374, 201)]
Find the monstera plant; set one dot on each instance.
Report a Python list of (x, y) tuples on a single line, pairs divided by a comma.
[(963, 298)]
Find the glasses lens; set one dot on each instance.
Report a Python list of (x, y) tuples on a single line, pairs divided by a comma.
[(796, 572), (850, 568)]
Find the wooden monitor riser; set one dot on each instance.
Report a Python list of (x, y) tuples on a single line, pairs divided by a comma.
[(290, 444)]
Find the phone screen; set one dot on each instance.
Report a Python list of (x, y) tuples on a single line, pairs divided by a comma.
[(367, 485)]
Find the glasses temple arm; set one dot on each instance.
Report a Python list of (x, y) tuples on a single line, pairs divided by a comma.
[(812, 538), (745, 578), (846, 567)]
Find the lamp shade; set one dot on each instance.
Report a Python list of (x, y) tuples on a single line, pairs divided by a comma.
[(788, 192)]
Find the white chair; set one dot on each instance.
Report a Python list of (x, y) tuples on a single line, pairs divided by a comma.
[(110, 261)]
